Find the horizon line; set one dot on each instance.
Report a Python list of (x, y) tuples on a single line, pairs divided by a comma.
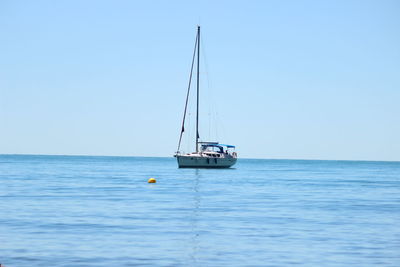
[(132, 156)]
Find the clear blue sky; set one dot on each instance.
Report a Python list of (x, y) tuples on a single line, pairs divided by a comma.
[(290, 79)]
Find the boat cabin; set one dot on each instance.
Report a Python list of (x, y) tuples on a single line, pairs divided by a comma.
[(214, 149)]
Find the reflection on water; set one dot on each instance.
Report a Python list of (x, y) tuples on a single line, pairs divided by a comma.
[(195, 218)]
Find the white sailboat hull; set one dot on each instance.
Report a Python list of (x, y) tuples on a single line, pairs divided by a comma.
[(188, 161)]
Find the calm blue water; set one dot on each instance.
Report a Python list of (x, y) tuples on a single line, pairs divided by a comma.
[(100, 211)]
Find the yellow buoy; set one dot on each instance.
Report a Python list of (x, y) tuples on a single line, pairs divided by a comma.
[(151, 181)]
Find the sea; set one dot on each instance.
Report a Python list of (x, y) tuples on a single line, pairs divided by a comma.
[(101, 211)]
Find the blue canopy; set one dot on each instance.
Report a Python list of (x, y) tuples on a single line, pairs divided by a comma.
[(211, 144), (230, 146)]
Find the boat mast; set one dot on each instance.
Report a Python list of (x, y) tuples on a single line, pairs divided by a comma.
[(198, 83)]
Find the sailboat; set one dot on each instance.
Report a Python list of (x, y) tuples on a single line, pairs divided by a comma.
[(208, 154)]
